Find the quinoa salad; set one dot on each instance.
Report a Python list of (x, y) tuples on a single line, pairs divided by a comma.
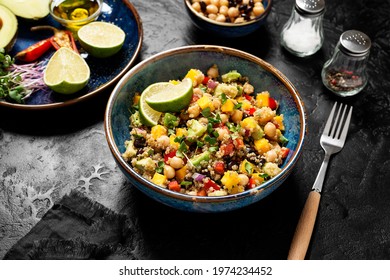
[(228, 139)]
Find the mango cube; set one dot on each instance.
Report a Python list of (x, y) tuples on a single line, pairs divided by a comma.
[(228, 106), (262, 145), (262, 99), (159, 179), (157, 131)]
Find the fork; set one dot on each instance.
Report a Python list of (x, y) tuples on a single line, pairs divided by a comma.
[(332, 141)]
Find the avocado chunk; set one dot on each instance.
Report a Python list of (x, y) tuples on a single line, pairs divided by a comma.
[(8, 28), (29, 9), (195, 130), (231, 76), (145, 164), (197, 160)]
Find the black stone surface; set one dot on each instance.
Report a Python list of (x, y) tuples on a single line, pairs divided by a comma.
[(45, 155)]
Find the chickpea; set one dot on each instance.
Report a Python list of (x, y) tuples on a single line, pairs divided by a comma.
[(223, 10), (258, 10), (215, 2), (244, 180), (248, 88), (169, 172), (176, 162), (204, 121), (239, 20), (194, 110), (213, 17), (163, 141), (237, 116), (224, 118), (233, 12), (216, 103), (196, 6), (207, 2), (270, 156), (270, 130), (223, 3), (220, 18), (245, 2), (197, 91), (212, 9), (257, 1), (222, 133), (213, 72)]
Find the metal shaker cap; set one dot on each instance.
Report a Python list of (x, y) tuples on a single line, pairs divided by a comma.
[(355, 43), (310, 7)]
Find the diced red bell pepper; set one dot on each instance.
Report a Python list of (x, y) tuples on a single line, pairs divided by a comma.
[(211, 184), (202, 192), (252, 183), (205, 80), (174, 186), (252, 111), (238, 143), (169, 155), (247, 97), (227, 149), (34, 51), (272, 103), (284, 151), (219, 167)]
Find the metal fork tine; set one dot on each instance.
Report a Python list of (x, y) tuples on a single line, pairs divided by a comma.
[(329, 121), (336, 121), (340, 124), (346, 126)]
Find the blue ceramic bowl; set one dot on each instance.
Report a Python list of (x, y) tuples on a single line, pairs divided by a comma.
[(174, 64), (227, 30)]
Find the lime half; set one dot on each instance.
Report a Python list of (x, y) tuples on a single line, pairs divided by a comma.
[(101, 39), (66, 72), (169, 97), (149, 116)]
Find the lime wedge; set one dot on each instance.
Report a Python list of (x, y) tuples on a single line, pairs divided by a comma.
[(149, 117), (66, 72), (101, 39), (169, 97)]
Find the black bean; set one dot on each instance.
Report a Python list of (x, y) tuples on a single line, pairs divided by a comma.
[(242, 7), (139, 142), (251, 3), (203, 6)]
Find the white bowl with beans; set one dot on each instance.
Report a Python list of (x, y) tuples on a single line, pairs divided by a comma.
[(228, 18)]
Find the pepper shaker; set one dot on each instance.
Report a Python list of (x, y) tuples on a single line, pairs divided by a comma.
[(345, 73), (302, 35)]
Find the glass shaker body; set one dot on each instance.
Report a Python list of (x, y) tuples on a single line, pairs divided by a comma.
[(345, 72), (302, 35)]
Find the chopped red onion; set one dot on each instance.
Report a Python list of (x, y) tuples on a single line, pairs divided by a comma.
[(198, 177), (211, 84)]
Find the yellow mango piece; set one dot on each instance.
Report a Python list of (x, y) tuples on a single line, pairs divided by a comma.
[(172, 142), (262, 99), (159, 179), (249, 123), (262, 145), (228, 106), (246, 167), (279, 121), (230, 179), (205, 102), (181, 173), (237, 189), (195, 75), (157, 131), (136, 99), (257, 177), (181, 132)]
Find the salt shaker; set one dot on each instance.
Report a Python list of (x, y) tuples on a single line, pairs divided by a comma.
[(302, 35), (345, 73)]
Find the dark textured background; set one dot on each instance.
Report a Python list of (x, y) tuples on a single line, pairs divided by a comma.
[(44, 155)]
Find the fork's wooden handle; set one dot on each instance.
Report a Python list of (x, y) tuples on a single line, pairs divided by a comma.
[(305, 226)]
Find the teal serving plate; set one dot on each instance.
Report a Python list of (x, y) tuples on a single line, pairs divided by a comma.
[(105, 73), (174, 64)]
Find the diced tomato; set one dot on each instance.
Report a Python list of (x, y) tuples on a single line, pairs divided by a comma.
[(284, 152), (211, 184), (174, 186), (202, 192), (252, 111), (247, 97), (238, 143), (169, 155), (247, 133), (272, 103), (252, 183), (205, 80), (227, 149), (219, 167)]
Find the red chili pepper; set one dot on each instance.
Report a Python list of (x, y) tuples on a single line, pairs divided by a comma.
[(272, 103), (35, 51), (211, 184), (219, 167), (61, 38), (169, 155), (174, 186)]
